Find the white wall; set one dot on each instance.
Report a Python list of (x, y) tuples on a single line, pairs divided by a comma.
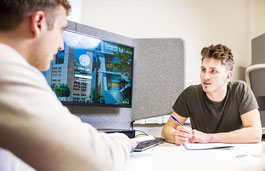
[(259, 17), (76, 11), (198, 22)]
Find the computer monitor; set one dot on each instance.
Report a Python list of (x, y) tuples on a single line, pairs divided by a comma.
[(91, 71)]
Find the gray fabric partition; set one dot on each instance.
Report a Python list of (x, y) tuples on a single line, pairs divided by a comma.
[(158, 78), (257, 81), (257, 77), (258, 49)]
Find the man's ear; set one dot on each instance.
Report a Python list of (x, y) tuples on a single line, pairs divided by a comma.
[(229, 75), (37, 23)]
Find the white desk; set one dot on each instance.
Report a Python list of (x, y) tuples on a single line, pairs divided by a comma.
[(169, 157)]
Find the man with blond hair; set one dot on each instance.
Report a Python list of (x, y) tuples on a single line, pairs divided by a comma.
[(219, 110)]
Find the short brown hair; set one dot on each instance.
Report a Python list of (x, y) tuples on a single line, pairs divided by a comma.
[(220, 52), (12, 12)]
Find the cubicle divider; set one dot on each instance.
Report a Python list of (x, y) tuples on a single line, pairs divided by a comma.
[(257, 75), (158, 79), (257, 49), (159, 76)]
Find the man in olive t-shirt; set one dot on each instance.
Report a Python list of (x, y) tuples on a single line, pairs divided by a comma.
[(219, 110)]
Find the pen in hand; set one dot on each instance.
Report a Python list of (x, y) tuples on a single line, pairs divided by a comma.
[(175, 119)]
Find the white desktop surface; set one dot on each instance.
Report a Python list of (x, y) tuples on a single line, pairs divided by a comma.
[(169, 157)]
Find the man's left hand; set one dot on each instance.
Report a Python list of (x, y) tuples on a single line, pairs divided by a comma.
[(199, 137)]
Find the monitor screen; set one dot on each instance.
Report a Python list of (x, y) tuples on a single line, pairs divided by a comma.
[(91, 71)]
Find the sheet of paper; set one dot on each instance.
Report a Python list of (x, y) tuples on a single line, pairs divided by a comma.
[(208, 146)]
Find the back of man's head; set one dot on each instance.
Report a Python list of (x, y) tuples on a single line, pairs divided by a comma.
[(12, 12), (219, 52)]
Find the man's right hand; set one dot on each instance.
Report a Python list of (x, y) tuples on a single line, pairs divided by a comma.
[(182, 134), (125, 140)]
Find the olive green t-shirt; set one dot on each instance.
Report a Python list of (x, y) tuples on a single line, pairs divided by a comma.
[(214, 117)]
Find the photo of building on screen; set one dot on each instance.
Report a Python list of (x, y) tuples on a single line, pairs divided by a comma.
[(93, 71)]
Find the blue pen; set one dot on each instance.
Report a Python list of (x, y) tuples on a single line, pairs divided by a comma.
[(175, 119)]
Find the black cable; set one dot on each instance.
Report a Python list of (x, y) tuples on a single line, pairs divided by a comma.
[(139, 134), (132, 124), (144, 133)]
